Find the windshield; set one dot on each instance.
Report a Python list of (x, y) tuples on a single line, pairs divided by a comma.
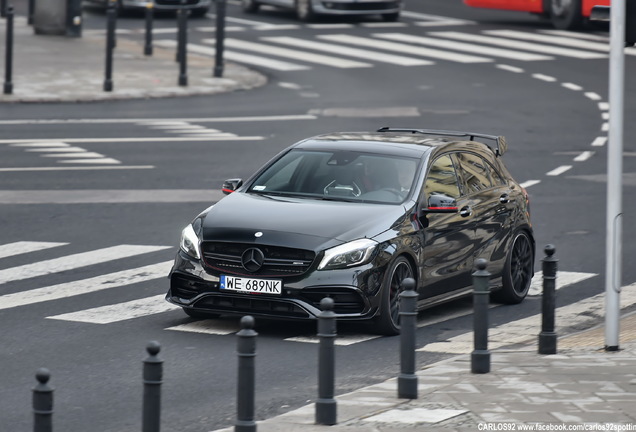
[(339, 175)]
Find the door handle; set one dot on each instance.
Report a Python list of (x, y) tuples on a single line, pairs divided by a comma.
[(465, 211), (504, 199)]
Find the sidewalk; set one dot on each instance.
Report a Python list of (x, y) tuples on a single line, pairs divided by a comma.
[(64, 69), (582, 386)]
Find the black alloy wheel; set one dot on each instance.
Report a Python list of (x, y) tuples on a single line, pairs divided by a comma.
[(388, 322), (518, 271)]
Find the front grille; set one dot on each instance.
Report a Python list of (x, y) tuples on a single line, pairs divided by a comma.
[(346, 301), (252, 305), (365, 6), (278, 261)]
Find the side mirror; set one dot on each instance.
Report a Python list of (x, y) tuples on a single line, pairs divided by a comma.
[(230, 185), (439, 203)]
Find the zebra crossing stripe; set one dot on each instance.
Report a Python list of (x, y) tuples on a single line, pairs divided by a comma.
[(461, 46), (74, 261), (403, 48), (238, 57), (294, 54), (520, 45), (212, 326), (119, 312), (563, 279), (22, 247), (556, 40), (348, 51), (84, 286)]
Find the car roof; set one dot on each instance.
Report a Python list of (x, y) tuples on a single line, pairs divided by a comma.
[(398, 142)]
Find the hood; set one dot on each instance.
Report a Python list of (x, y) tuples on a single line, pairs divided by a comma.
[(296, 222)]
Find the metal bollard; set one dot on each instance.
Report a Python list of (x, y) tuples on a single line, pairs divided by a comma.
[(326, 404), (548, 337), (3, 8), (110, 45), (153, 374), (31, 12), (182, 54), (42, 402), (480, 357), (407, 380), (220, 38), (8, 53), (149, 16), (246, 348)]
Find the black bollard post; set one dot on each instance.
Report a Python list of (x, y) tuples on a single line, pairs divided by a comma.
[(110, 45), (407, 380), (182, 52), (246, 349), (548, 337), (8, 53), (220, 38), (480, 357), (3, 8), (31, 12), (153, 374), (42, 402), (326, 404), (149, 16)]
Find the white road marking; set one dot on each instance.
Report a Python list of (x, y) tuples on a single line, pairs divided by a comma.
[(348, 51), (599, 141), (294, 54), (23, 247), (461, 46), (404, 48), (119, 312), (593, 96), (604, 106), (509, 68), (148, 139), (525, 330), (558, 171), (77, 168), (84, 286), (557, 40), (542, 77), (341, 340), (212, 326), (572, 86), (584, 156), (528, 46), (71, 262), (144, 121), (563, 280), (87, 196), (237, 56), (529, 183)]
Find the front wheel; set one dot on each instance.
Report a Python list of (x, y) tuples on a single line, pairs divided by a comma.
[(518, 271), (388, 322), (305, 11), (566, 14)]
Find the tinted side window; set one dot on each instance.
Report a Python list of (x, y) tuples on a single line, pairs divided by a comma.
[(442, 178), (475, 171)]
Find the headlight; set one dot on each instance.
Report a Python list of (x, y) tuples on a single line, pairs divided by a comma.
[(349, 254), (190, 242)]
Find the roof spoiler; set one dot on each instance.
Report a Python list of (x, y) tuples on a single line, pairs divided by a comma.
[(499, 140)]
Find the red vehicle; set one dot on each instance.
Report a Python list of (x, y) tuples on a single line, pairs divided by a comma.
[(564, 14)]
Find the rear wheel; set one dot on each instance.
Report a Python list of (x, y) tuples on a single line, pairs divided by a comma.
[(518, 271), (388, 322), (249, 6), (566, 14), (305, 11)]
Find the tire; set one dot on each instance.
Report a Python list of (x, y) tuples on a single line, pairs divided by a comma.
[(304, 10), (518, 271), (196, 314), (388, 322), (249, 6), (200, 12), (565, 14)]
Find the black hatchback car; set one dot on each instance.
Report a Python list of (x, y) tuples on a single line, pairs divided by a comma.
[(351, 215)]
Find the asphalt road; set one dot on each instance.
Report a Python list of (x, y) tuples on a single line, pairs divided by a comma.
[(546, 109)]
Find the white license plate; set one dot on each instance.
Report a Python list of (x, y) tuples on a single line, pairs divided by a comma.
[(251, 286)]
